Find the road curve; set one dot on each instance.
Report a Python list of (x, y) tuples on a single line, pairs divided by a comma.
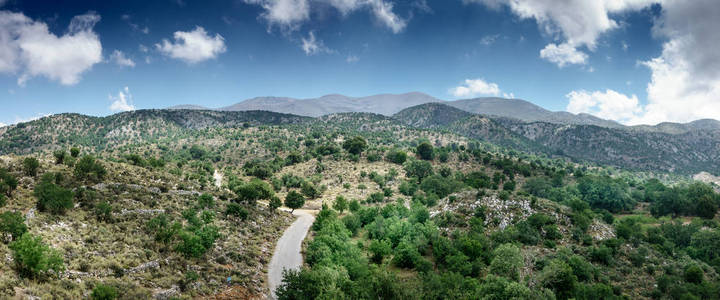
[(287, 251)]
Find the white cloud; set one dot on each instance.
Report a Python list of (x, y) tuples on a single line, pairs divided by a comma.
[(577, 23), (29, 49), (383, 12), (474, 88), (119, 58), (563, 54), (489, 39), (287, 14), (607, 105), (193, 46), (290, 14), (122, 102), (352, 59), (312, 46)]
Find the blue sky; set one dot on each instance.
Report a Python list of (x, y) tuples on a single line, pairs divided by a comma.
[(627, 60)]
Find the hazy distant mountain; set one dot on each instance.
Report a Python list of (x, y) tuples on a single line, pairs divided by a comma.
[(384, 104), (390, 104), (526, 111), (189, 107)]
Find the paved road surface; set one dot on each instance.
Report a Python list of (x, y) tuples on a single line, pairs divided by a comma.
[(287, 251)]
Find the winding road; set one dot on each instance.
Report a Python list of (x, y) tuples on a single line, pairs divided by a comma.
[(287, 251)]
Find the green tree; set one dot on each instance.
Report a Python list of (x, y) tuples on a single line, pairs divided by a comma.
[(341, 204), (89, 169), (59, 156), (13, 223), (425, 151), (51, 197), (418, 169), (206, 200), (275, 202), (355, 145), (254, 190), (396, 156), (294, 200), (33, 257), (379, 249), (507, 261), (104, 292), (8, 182), (74, 152), (30, 166), (694, 274), (558, 276), (234, 209)]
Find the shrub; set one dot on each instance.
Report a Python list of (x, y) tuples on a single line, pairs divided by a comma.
[(693, 274), (104, 292), (74, 152), (309, 190), (507, 261), (425, 151), (13, 223), (396, 156), (234, 209), (206, 200), (355, 145), (60, 156), (418, 169), (558, 276), (294, 200), (341, 204), (87, 168), (103, 211), (275, 202), (30, 166), (254, 190), (33, 257), (51, 197)]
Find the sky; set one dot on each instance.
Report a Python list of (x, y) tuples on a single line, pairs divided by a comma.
[(633, 61)]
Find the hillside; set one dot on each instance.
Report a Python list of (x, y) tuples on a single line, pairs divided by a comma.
[(685, 152), (170, 204)]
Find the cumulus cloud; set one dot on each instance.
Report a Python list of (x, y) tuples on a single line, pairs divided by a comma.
[(474, 88), (312, 45), (563, 54), (122, 102), (290, 14), (685, 78), (578, 23), (352, 59), (29, 49), (607, 105), (284, 13), (118, 57), (193, 46)]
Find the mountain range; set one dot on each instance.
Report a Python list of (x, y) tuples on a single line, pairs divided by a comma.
[(390, 104)]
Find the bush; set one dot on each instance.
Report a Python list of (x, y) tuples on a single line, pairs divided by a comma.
[(254, 190), (418, 169), (87, 168), (13, 223), (341, 204), (103, 211), (8, 182), (309, 190), (74, 152), (30, 166), (507, 261), (33, 257), (234, 209), (206, 200), (275, 202), (104, 292), (379, 249), (558, 276), (294, 200), (425, 151), (355, 145), (51, 197), (396, 156), (693, 274)]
